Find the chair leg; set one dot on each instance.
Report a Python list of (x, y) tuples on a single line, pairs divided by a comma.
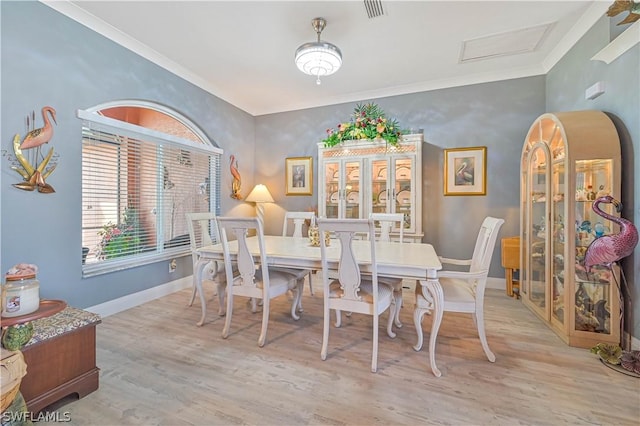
[(194, 290), (325, 332), (374, 352), (311, 284), (479, 319), (338, 318), (297, 295), (221, 294), (398, 302), (227, 320), (390, 332), (265, 321)]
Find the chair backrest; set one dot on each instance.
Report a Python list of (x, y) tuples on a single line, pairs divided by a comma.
[(387, 222), (239, 228), (345, 231), (203, 231), (485, 244), (298, 219)]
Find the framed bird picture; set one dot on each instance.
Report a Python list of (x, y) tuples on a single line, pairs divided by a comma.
[(465, 171), (299, 176)]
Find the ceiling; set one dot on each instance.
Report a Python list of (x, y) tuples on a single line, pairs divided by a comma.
[(243, 51)]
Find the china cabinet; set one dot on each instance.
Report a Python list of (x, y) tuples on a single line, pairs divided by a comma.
[(357, 178), (568, 160)]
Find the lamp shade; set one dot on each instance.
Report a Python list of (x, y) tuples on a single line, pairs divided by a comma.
[(259, 194)]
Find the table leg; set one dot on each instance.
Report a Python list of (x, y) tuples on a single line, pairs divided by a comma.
[(197, 273), (435, 290)]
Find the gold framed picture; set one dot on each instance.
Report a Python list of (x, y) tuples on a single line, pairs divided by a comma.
[(299, 175), (465, 171)]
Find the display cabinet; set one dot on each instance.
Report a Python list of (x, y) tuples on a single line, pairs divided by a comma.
[(357, 178), (568, 160)]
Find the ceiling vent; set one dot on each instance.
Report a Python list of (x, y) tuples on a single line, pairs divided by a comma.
[(374, 8), (504, 44)]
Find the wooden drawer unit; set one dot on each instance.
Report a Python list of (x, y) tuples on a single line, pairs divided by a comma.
[(60, 358), (511, 262)]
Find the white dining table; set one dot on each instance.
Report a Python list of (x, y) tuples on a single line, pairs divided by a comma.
[(407, 260)]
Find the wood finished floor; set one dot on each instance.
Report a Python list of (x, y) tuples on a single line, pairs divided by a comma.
[(158, 368)]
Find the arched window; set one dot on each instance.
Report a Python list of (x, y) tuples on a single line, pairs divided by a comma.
[(144, 166)]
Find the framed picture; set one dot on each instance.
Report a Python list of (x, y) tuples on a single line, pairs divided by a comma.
[(465, 171), (299, 176)]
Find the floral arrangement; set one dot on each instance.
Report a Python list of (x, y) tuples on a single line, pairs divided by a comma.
[(120, 239), (368, 122)]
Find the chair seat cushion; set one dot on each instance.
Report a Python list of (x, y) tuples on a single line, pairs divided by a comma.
[(366, 290), (454, 290), (277, 278)]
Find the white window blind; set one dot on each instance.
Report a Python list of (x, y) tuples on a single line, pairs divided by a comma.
[(137, 186)]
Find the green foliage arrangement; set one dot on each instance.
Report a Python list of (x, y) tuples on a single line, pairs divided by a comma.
[(120, 239), (368, 122)]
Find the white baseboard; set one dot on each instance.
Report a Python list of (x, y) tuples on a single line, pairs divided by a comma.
[(132, 300), (497, 283)]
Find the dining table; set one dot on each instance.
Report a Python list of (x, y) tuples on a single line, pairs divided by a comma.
[(415, 261)]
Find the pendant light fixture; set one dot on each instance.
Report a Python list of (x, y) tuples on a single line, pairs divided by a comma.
[(318, 58)]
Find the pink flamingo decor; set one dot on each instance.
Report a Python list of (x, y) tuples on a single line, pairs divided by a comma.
[(235, 186), (40, 136), (610, 249), (34, 175)]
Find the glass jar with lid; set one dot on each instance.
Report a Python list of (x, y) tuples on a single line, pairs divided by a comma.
[(20, 295)]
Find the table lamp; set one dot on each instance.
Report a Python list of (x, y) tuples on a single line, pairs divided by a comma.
[(260, 195)]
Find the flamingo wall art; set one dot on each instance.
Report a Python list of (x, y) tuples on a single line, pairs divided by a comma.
[(237, 181), (27, 159)]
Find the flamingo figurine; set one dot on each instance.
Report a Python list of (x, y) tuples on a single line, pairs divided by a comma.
[(609, 249), (235, 187), (40, 136)]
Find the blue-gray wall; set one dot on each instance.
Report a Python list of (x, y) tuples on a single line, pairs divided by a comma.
[(566, 85), (49, 59), (496, 115), (61, 63)]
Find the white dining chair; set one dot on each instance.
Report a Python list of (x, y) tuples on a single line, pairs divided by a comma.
[(388, 222), (464, 290), (352, 291), (254, 281), (203, 231), (297, 219)]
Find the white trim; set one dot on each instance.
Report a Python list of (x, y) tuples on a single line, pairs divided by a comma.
[(496, 283), (596, 11), (586, 21), (625, 41), (132, 300)]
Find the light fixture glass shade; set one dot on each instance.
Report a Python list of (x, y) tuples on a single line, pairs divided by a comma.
[(318, 58), (259, 194)]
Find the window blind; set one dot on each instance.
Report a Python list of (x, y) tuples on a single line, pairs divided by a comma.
[(137, 186)]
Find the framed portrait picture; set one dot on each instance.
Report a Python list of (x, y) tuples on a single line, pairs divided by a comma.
[(465, 171), (299, 175)]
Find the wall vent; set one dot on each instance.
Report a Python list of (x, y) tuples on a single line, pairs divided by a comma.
[(374, 8), (510, 43)]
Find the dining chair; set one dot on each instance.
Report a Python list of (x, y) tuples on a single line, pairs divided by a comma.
[(353, 291), (203, 231), (298, 218), (255, 281), (464, 290), (387, 222)]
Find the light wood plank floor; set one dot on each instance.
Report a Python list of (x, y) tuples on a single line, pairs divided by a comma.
[(158, 368)]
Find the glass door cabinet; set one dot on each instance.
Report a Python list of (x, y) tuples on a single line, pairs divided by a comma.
[(361, 177), (569, 160)]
